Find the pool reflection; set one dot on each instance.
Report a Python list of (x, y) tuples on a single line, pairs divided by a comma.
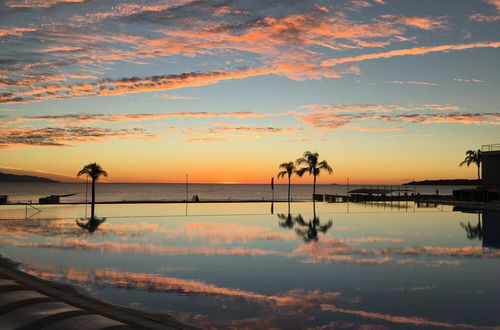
[(486, 229), (91, 224), (307, 230)]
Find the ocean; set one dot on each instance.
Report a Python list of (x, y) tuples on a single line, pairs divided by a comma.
[(105, 192)]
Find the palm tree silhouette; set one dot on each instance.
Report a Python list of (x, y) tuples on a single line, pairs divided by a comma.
[(476, 231), (289, 169), (91, 225), (312, 227), (313, 166), (473, 157), (94, 171), (287, 220)]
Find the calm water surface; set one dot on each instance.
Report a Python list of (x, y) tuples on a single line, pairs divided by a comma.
[(177, 192), (238, 265)]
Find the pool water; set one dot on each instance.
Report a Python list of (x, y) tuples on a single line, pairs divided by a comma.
[(236, 265)]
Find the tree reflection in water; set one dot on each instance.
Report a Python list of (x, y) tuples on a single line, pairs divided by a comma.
[(474, 231), (91, 224), (307, 230)]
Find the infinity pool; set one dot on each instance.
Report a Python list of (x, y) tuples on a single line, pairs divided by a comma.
[(239, 266)]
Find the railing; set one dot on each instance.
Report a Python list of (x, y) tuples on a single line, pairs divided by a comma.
[(490, 147)]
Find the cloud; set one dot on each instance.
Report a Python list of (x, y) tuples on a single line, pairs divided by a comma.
[(407, 320), (77, 244), (291, 45), (398, 82), (484, 18), (156, 282), (343, 116), (16, 137), (356, 108), (495, 3), (131, 85), (424, 23), (468, 80), (15, 31), (73, 119), (39, 3), (410, 51), (176, 97)]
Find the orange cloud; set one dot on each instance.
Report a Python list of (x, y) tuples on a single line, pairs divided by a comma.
[(408, 320), (156, 282), (131, 85), (39, 3), (424, 23), (495, 3), (410, 51)]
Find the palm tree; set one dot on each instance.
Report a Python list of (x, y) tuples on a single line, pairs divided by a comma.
[(313, 166), (473, 157), (94, 171), (288, 168)]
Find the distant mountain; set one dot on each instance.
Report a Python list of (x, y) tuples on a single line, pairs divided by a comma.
[(4, 177), (454, 182)]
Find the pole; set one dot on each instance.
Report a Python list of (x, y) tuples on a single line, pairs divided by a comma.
[(187, 188)]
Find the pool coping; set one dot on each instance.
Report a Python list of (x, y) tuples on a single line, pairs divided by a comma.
[(68, 294)]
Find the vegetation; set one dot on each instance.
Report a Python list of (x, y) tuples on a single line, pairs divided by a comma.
[(288, 169), (473, 157), (311, 164), (94, 171)]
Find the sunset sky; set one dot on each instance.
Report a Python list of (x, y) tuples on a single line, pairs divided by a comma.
[(226, 90)]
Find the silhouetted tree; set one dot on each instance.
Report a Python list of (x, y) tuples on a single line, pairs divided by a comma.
[(287, 222), (313, 166), (312, 227), (473, 157), (288, 169), (94, 171), (91, 225)]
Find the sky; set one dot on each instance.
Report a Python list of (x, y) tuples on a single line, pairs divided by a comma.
[(386, 91)]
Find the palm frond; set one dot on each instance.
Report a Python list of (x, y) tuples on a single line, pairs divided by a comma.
[(324, 166), (300, 172)]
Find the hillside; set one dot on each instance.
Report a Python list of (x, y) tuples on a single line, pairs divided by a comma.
[(4, 177)]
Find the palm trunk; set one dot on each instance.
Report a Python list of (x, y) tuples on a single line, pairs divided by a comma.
[(92, 205), (314, 193), (289, 189), (478, 177), (314, 187)]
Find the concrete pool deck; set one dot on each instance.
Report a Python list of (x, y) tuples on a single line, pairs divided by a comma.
[(27, 302)]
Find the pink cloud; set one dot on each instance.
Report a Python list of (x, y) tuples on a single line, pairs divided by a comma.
[(410, 51), (424, 23), (495, 3), (408, 320)]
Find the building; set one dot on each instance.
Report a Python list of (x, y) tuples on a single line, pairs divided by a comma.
[(490, 155)]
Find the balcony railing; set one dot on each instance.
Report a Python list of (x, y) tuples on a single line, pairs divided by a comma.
[(490, 147)]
